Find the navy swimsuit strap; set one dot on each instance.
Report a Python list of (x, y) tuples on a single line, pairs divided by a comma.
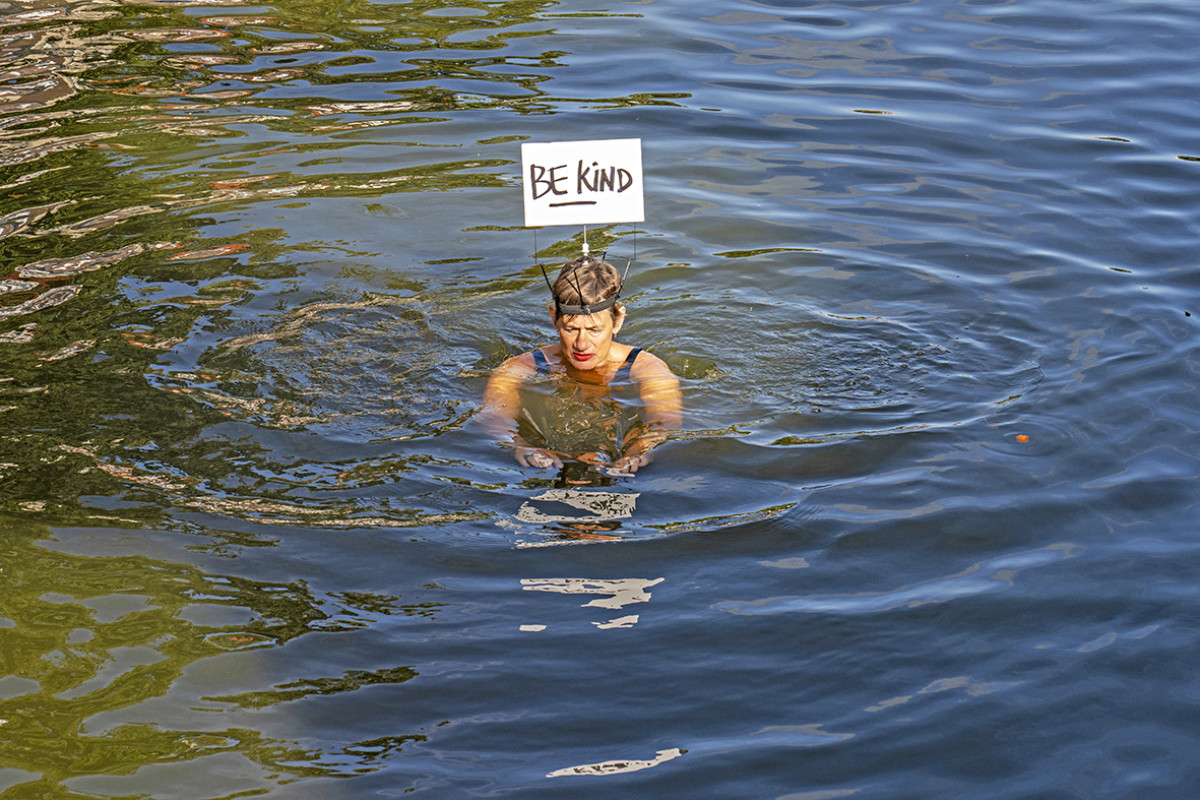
[(623, 372), (539, 360)]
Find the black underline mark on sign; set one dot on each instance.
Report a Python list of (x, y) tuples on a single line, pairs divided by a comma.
[(574, 203)]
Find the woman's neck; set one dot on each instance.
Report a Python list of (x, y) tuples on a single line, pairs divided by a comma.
[(601, 373)]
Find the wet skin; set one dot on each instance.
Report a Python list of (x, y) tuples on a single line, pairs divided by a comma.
[(587, 352)]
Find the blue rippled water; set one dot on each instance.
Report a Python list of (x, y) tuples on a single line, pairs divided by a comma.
[(926, 270)]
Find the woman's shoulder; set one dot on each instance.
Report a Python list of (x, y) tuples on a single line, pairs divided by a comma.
[(647, 366), (539, 361), (524, 364)]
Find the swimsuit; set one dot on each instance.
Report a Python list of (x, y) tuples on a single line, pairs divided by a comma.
[(543, 366)]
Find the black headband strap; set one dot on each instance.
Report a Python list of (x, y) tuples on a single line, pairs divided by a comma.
[(586, 309)]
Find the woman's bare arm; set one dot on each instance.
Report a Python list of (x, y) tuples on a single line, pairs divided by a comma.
[(502, 398), (662, 411), (502, 403), (660, 393)]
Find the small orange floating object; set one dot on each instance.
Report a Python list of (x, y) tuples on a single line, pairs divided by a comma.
[(1022, 437), (237, 641)]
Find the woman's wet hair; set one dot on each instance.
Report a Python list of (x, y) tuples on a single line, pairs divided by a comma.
[(586, 285)]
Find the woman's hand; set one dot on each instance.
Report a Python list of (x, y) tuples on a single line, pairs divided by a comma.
[(627, 465), (537, 458)]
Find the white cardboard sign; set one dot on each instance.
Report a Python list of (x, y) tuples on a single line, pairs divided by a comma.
[(582, 183)]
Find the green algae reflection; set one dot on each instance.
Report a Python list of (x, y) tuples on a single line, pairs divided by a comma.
[(116, 672)]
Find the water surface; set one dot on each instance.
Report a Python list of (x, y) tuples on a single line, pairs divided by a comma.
[(926, 271)]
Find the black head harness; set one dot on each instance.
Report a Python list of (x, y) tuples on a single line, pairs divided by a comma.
[(584, 309)]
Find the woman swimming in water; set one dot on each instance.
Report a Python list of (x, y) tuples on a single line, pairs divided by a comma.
[(591, 370)]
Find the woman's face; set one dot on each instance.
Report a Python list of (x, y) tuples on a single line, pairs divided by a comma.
[(587, 340)]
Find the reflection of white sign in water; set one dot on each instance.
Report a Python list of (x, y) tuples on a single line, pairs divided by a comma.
[(614, 594), (618, 593), (597, 506), (582, 183), (618, 767)]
